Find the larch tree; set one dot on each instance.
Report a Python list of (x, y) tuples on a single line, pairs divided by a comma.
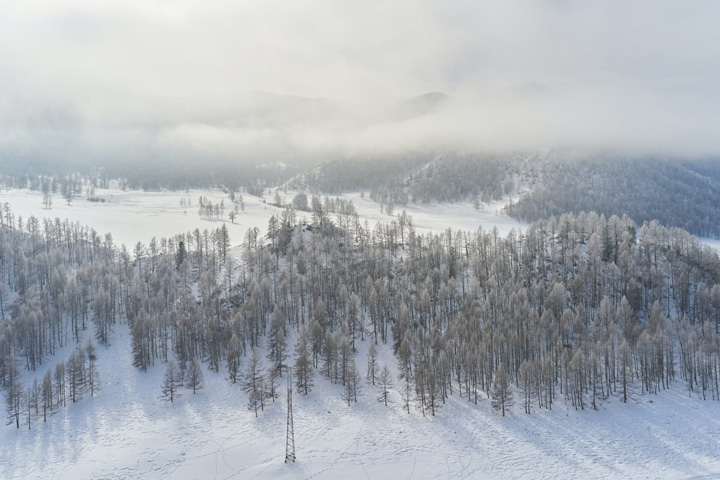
[(272, 379), (303, 367), (385, 382), (194, 376), (47, 394), (254, 382), (27, 405), (372, 362), (14, 394), (352, 384), (234, 357), (171, 382), (75, 373), (92, 374), (526, 382), (277, 345), (32, 401), (406, 374), (502, 397), (60, 383)]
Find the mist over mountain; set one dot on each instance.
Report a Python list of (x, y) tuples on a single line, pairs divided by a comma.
[(75, 125), (190, 82)]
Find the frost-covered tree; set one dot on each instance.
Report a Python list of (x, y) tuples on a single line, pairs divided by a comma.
[(171, 381), (74, 374), (234, 357), (277, 345), (303, 367), (352, 384), (405, 371), (60, 383), (300, 202), (47, 394), (372, 362), (526, 381), (254, 382), (194, 376), (502, 397), (93, 377), (14, 391), (385, 382)]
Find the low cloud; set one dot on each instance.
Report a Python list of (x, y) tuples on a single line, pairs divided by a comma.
[(163, 79)]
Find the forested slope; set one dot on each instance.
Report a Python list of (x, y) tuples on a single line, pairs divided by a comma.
[(682, 193), (578, 308)]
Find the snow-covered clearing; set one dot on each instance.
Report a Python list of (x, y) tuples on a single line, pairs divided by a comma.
[(436, 217), (134, 215), (713, 242), (127, 431)]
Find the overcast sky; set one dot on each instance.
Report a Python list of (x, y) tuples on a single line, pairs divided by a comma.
[(636, 75)]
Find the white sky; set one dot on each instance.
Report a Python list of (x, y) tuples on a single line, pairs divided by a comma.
[(637, 75)]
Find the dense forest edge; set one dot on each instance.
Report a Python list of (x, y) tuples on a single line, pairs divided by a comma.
[(578, 308)]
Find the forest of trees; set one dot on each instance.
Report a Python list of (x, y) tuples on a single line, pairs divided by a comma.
[(580, 309), (150, 177), (681, 193), (407, 179), (359, 173)]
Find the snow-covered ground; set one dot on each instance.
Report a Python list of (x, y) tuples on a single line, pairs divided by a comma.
[(713, 242), (134, 215), (436, 217), (127, 431)]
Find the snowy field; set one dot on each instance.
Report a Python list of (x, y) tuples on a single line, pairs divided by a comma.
[(436, 217), (134, 215), (127, 431), (713, 242)]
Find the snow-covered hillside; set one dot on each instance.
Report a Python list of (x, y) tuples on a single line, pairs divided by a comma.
[(128, 431)]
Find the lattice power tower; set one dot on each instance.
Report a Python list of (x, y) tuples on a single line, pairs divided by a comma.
[(290, 439)]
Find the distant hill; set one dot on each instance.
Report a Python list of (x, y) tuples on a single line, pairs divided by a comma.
[(422, 104), (679, 192)]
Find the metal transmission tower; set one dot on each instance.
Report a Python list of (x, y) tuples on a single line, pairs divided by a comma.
[(290, 439)]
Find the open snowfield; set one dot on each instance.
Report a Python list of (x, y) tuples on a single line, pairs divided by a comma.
[(134, 215), (127, 431), (436, 217), (713, 242)]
